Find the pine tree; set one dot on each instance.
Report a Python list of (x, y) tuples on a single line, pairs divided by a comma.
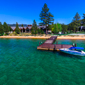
[(42, 32), (17, 30), (83, 20), (71, 27), (76, 21), (39, 31), (50, 18), (34, 28), (6, 28), (45, 16), (1, 29), (10, 29), (76, 17)]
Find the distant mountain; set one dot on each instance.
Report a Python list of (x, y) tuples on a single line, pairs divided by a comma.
[(20, 25)]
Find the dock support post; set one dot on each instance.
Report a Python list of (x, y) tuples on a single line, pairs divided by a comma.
[(75, 44), (39, 43), (54, 47)]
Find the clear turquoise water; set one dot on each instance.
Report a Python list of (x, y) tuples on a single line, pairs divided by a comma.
[(22, 64)]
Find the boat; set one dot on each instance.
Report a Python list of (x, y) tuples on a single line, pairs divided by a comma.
[(78, 51)]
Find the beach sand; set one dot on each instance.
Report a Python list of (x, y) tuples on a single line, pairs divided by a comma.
[(26, 37), (45, 37), (72, 37)]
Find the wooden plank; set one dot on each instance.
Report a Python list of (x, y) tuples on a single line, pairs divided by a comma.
[(42, 48), (48, 45), (49, 41)]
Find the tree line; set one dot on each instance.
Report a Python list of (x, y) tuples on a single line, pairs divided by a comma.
[(47, 19), (5, 29)]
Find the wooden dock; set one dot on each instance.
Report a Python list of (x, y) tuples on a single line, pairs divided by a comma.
[(48, 45)]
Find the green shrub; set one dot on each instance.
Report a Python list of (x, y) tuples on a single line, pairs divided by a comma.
[(39, 31), (42, 32)]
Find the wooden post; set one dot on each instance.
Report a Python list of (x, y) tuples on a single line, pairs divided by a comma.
[(54, 47), (75, 45), (39, 43)]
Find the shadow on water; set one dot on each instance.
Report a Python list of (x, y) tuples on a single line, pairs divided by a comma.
[(68, 55), (71, 56), (64, 54)]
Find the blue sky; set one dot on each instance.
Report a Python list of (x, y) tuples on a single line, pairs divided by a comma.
[(25, 11)]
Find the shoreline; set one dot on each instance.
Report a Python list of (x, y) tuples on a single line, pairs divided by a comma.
[(45, 37)]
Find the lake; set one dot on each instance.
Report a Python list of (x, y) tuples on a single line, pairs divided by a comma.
[(22, 64)]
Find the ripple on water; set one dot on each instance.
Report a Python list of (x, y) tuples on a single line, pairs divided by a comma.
[(22, 64)]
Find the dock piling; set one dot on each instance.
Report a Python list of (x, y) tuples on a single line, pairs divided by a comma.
[(39, 43), (75, 45)]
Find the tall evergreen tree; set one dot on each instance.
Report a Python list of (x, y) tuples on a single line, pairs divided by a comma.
[(34, 28), (45, 16), (1, 29), (17, 30), (76, 21), (83, 16), (10, 29), (76, 17), (83, 20), (50, 18), (6, 28), (72, 27)]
